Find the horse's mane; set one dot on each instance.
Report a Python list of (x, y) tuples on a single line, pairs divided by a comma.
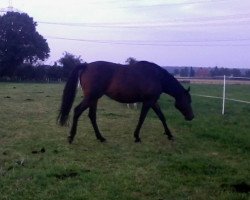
[(164, 73), (172, 85)]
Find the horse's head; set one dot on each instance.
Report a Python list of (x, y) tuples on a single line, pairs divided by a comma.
[(183, 104)]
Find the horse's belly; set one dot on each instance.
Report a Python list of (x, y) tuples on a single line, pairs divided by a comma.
[(124, 97), (130, 88), (134, 94)]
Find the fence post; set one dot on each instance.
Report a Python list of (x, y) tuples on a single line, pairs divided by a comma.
[(224, 95)]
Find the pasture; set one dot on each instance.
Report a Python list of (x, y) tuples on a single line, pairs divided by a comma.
[(208, 160)]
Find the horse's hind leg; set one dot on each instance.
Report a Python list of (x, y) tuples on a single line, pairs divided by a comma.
[(144, 111), (92, 116), (159, 113), (77, 113)]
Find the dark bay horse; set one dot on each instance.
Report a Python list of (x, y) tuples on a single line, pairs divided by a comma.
[(142, 82)]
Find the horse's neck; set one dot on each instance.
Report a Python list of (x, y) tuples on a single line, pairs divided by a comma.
[(172, 86)]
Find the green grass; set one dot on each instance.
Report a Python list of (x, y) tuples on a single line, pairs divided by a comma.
[(209, 156)]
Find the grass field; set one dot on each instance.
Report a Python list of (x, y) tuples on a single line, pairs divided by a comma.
[(210, 158)]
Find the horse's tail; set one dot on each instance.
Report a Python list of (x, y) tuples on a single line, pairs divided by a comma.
[(69, 94)]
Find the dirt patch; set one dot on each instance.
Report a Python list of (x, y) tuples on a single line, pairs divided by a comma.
[(70, 173), (38, 151), (65, 175), (29, 99), (241, 187)]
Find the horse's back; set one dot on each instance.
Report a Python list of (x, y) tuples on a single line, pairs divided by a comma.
[(122, 83), (135, 83)]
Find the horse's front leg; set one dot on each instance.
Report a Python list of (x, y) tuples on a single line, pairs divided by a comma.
[(77, 113), (159, 113), (92, 116), (145, 107)]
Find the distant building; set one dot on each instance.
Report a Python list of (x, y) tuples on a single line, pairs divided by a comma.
[(202, 72)]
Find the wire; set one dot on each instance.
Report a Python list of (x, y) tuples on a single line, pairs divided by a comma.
[(174, 4), (217, 20), (152, 3), (86, 25), (155, 43)]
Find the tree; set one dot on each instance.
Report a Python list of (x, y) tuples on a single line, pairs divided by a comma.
[(184, 72), (54, 72), (236, 72), (247, 74), (131, 61), (192, 72), (176, 72), (40, 73), (25, 72), (215, 72), (68, 62), (19, 42)]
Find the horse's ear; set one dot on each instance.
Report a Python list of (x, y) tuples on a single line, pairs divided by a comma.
[(188, 89)]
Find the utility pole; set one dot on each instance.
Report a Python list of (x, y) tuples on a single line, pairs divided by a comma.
[(9, 8)]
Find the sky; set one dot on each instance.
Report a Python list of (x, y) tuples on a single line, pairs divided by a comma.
[(199, 33)]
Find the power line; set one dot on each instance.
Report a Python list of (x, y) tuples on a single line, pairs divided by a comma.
[(157, 43), (174, 4), (150, 26), (142, 26), (237, 19), (156, 4)]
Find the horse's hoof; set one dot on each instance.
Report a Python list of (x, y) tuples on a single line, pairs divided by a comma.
[(170, 137), (137, 140), (102, 139), (70, 140)]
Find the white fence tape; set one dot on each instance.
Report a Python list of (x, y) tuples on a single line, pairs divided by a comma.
[(214, 97)]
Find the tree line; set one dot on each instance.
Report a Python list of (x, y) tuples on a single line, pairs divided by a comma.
[(59, 71), (210, 72)]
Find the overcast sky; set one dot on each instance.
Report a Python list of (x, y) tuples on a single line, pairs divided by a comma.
[(203, 33)]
